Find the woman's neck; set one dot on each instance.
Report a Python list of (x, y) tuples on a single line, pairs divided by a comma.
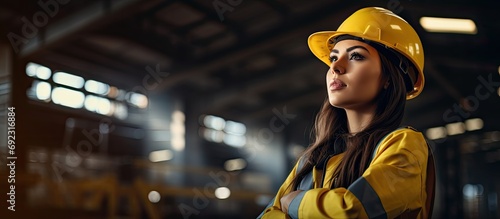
[(357, 120)]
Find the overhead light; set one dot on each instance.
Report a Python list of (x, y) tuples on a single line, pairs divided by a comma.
[(98, 104), (154, 196), (121, 111), (161, 155), (436, 133), (222, 193), (31, 69), (68, 79), (235, 164), (470, 190), (97, 87), (43, 90), (213, 135), (113, 92), (178, 143), (178, 116), (178, 130), (455, 128), (235, 128), (448, 25), (67, 97), (235, 140), (214, 122), (138, 100), (474, 124)]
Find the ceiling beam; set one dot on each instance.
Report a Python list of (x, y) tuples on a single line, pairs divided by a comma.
[(94, 16), (277, 6), (297, 27), (212, 16)]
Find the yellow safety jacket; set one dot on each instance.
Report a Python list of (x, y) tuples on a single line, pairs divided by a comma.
[(396, 184)]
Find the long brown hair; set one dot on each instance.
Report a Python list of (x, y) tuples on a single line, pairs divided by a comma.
[(331, 124)]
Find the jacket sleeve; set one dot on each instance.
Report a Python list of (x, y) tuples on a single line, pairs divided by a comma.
[(273, 210), (391, 185)]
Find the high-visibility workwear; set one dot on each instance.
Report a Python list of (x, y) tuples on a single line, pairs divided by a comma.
[(395, 184), (381, 26)]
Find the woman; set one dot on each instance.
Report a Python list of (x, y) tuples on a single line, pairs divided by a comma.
[(362, 163)]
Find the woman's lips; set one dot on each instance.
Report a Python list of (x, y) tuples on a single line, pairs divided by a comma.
[(337, 84)]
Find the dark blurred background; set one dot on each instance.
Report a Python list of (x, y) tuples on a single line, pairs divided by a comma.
[(199, 109)]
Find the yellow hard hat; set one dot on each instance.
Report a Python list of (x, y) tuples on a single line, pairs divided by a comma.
[(378, 25)]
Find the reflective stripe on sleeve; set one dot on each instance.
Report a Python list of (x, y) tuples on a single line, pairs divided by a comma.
[(368, 198), (293, 208), (307, 182)]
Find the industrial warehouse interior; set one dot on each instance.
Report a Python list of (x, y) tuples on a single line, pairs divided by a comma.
[(200, 109)]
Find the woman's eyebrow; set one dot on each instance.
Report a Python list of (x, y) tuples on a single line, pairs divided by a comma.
[(355, 47), (351, 48)]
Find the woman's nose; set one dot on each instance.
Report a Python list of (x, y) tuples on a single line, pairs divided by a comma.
[(337, 67)]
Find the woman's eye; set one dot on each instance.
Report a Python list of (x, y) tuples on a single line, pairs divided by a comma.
[(333, 58), (356, 56)]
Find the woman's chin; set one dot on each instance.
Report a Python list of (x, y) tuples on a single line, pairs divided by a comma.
[(336, 103)]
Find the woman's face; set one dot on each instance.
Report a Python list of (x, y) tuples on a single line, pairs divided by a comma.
[(354, 78)]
